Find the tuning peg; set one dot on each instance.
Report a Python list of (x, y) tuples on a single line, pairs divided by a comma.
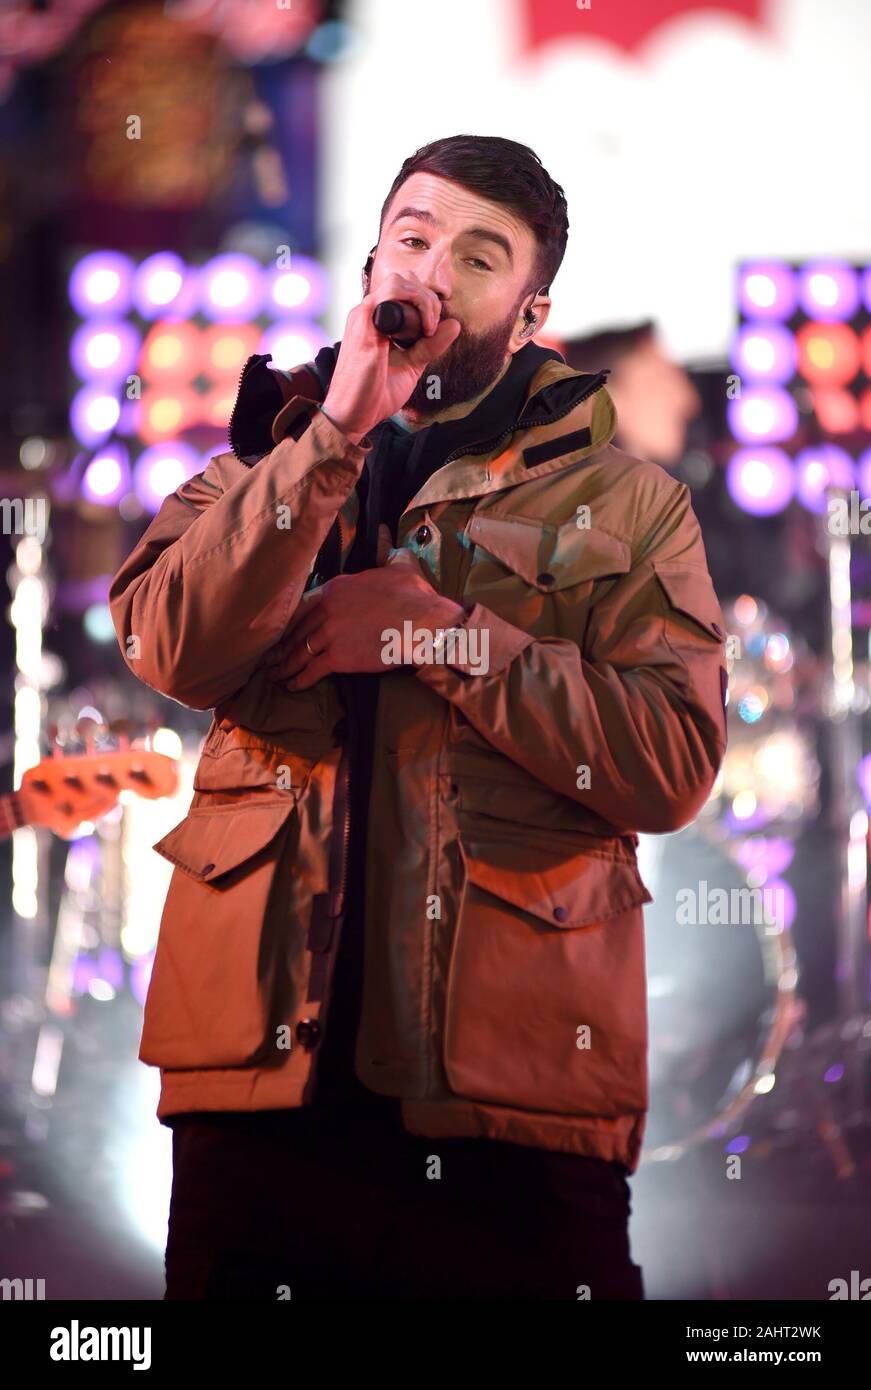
[(86, 729), (152, 723), (122, 729)]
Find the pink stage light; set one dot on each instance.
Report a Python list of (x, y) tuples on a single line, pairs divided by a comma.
[(107, 477), (101, 284), (301, 289), (818, 469), (164, 287), (828, 290), (292, 343), (94, 413), (104, 351), (760, 481), (161, 469), (766, 414), (764, 352), (837, 410), (767, 290), (231, 288)]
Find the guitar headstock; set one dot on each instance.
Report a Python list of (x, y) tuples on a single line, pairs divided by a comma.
[(64, 789)]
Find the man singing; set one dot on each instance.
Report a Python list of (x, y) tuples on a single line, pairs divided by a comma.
[(459, 650)]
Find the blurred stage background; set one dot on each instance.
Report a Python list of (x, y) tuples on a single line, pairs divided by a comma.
[(182, 184)]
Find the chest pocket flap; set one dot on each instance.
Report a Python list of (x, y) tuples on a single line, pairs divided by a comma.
[(547, 556), (689, 590)]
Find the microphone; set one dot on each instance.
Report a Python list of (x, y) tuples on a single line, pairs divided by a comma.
[(398, 321)]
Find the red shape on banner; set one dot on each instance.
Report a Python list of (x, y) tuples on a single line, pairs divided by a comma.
[(626, 23)]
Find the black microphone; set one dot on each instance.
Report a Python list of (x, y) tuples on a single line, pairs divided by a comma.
[(399, 322)]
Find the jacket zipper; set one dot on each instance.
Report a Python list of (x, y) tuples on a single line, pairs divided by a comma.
[(341, 538), (249, 363), (343, 799)]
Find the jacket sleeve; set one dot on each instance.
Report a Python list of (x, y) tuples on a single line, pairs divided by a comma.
[(630, 720), (216, 576)]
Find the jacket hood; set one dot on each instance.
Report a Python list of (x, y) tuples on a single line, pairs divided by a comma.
[(256, 422)]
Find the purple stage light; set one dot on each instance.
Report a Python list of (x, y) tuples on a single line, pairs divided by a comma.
[(778, 903), (94, 414), (818, 468), (828, 291), (739, 1145), (101, 283), (104, 351), (292, 343), (863, 469), (761, 480), (764, 352), (863, 777), (301, 289), (110, 967), (767, 414), (231, 288), (84, 970), (164, 287), (220, 446), (107, 476), (770, 853), (766, 290), (161, 469)]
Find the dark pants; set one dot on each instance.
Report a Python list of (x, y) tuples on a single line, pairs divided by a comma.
[(258, 1208)]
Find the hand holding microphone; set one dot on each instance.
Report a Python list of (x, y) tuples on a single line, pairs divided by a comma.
[(399, 322), (373, 377)]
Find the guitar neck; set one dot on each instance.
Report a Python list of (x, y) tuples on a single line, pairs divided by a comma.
[(11, 814)]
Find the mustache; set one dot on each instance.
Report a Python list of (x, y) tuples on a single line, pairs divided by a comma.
[(449, 314)]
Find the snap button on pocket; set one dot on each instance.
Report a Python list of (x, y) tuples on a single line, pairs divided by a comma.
[(560, 913), (207, 868), (423, 535), (544, 579)]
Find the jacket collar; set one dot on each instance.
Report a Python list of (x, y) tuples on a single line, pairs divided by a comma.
[(564, 416)]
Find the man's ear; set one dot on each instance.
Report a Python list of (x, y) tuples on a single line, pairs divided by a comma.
[(366, 272), (531, 319)]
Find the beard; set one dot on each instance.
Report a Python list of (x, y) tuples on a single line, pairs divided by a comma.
[(465, 369)]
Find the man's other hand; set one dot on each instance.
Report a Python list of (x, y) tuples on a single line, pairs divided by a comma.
[(345, 620)]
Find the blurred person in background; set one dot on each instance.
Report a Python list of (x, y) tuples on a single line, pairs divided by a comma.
[(654, 397), (454, 1110)]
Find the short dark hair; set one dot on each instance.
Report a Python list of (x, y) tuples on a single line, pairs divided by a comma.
[(507, 173), (607, 347)]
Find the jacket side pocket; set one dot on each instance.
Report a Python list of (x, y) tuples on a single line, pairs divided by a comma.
[(212, 991), (546, 1005)]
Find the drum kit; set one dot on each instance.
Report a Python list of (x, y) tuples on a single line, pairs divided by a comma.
[(731, 1049)]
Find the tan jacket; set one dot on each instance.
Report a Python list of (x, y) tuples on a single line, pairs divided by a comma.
[(504, 990)]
